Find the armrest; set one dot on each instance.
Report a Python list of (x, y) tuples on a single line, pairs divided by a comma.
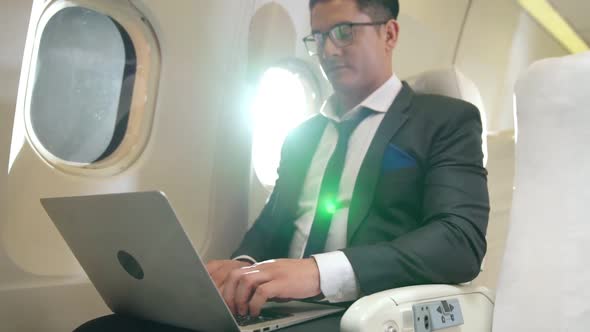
[(416, 309)]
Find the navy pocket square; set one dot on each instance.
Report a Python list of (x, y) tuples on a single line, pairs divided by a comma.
[(396, 158)]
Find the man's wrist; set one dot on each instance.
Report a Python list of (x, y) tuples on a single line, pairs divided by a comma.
[(338, 282), (316, 278)]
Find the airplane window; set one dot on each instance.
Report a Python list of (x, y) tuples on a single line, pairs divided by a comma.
[(285, 97), (82, 89)]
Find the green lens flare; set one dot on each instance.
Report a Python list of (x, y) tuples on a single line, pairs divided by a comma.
[(330, 207)]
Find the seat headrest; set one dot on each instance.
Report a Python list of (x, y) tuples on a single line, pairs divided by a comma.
[(554, 87), (452, 83), (447, 82)]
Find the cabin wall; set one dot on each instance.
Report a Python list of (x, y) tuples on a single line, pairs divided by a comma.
[(499, 42), (491, 42), (14, 18), (429, 31)]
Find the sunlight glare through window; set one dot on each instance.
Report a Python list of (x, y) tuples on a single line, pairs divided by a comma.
[(280, 105)]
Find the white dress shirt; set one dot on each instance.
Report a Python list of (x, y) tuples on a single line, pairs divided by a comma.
[(337, 279)]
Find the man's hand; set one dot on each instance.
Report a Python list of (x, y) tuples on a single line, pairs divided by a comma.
[(247, 289), (220, 270)]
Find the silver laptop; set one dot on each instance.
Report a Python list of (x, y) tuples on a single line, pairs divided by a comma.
[(142, 263)]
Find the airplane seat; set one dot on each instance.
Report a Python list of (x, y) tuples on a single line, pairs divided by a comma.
[(429, 307), (544, 280), (453, 83)]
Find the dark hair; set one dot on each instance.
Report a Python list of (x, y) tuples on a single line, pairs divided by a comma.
[(378, 10)]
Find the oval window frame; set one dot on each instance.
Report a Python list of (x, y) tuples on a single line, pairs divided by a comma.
[(144, 91)]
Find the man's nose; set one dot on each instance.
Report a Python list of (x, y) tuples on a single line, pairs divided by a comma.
[(329, 49)]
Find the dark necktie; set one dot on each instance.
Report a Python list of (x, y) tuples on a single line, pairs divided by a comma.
[(327, 200)]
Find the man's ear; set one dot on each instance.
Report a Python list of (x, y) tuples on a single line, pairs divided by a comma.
[(391, 34)]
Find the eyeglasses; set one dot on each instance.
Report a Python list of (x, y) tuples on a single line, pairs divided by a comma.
[(341, 35)]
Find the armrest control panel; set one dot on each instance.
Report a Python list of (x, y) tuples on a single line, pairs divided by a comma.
[(423, 308), (439, 315)]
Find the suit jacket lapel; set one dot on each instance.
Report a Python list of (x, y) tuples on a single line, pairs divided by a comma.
[(364, 190), (303, 145)]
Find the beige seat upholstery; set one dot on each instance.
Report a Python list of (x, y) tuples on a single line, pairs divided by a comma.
[(545, 277), (452, 83)]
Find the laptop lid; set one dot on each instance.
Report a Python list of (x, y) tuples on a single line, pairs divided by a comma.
[(139, 258)]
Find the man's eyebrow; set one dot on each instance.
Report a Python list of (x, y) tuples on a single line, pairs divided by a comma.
[(332, 27)]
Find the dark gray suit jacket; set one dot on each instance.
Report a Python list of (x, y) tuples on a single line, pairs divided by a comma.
[(420, 206)]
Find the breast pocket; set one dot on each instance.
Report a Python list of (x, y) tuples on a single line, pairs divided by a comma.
[(400, 180), (395, 159)]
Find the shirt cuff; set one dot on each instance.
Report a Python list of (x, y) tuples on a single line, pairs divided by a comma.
[(337, 279), (245, 258)]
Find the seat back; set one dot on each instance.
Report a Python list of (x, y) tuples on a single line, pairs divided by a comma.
[(452, 83), (545, 276)]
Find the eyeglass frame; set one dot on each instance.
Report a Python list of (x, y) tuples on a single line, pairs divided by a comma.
[(313, 35)]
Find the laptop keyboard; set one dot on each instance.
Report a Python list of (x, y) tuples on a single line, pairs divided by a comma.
[(265, 316)]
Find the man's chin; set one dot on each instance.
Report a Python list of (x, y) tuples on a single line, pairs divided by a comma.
[(342, 83)]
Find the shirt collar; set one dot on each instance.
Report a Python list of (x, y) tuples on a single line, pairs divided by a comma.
[(379, 101)]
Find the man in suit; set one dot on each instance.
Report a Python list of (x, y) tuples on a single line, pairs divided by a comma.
[(384, 189)]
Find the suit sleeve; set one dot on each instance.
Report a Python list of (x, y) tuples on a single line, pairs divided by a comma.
[(450, 246), (257, 243)]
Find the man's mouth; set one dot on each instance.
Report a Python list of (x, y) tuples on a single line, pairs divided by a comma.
[(335, 68)]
